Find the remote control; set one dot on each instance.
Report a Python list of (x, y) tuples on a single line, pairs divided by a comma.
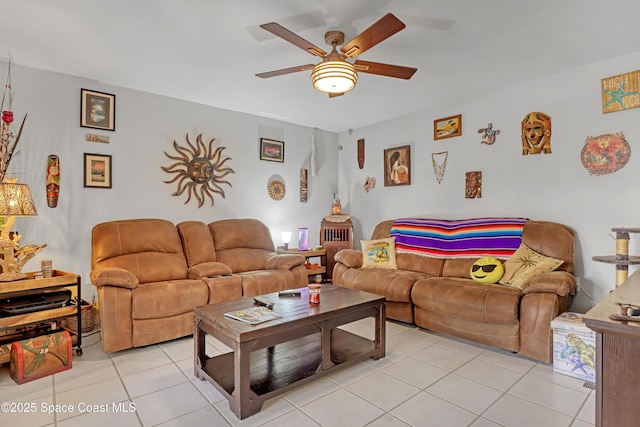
[(264, 302), (290, 293)]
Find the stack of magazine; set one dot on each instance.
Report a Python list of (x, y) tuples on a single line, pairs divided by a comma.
[(253, 315)]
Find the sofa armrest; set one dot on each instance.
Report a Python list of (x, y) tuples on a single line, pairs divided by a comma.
[(206, 269), (351, 258), (561, 283), (114, 276), (284, 261)]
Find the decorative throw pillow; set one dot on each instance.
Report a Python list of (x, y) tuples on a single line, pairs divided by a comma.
[(526, 263), (487, 270), (379, 253)]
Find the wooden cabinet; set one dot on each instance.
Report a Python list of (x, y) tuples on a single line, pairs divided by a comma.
[(317, 253), (617, 357), (335, 236), (16, 322)]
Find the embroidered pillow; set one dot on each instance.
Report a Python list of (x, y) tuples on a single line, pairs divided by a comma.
[(379, 253), (524, 264)]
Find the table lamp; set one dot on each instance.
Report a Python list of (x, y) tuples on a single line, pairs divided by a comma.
[(15, 200), (286, 239)]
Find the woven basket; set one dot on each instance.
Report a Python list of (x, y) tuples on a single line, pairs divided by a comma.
[(88, 319)]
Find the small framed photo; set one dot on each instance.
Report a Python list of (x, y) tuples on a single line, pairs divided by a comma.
[(97, 170), (271, 150), (447, 127), (97, 110), (397, 166)]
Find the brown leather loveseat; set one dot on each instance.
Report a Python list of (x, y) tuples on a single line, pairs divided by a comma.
[(439, 294), (151, 274)]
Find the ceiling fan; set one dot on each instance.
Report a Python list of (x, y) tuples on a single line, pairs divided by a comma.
[(335, 75)]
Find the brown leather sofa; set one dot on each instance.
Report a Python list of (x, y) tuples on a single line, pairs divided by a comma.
[(151, 274), (440, 295)]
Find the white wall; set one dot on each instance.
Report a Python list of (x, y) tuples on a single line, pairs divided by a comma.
[(553, 187), (146, 126)]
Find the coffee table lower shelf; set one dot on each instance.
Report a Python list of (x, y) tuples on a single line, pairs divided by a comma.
[(286, 364)]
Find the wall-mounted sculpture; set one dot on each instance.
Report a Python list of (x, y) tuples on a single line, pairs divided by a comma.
[(536, 134), (199, 170)]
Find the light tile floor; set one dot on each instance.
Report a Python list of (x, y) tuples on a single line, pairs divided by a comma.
[(426, 379)]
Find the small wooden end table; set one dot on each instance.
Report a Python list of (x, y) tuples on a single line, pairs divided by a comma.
[(272, 357)]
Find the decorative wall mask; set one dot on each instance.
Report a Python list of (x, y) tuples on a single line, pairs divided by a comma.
[(536, 134), (488, 134), (473, 185), (605, 153), (52, 181), (304, 173), (369, 183), (439, 161), (198, 170), (361, 153)]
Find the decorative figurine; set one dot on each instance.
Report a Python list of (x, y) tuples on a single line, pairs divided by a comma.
[(488, 134), (336, 208)]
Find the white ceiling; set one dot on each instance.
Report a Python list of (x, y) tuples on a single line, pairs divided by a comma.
[(207, 51)]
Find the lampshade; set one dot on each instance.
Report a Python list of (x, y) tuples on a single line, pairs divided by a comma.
[(16, 200), (334, 76), (286, 237)]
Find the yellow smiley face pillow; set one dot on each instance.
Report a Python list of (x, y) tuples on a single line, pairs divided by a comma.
[(487, 270)]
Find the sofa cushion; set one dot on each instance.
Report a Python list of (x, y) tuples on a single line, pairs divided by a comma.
[(163, 299), (394, 285), (242, 244), (525, 264), (149, 248), (380, 253), (260, 282), (466, 299)]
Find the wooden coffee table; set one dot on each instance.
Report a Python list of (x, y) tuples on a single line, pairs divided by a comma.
[(272, 357)]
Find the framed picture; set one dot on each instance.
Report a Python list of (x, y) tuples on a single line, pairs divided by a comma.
[(397, 166), (97, 110), (97, 170), (271, 150), (447, 127)]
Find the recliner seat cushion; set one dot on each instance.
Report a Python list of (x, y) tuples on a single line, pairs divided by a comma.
[(468, 300), (394, 285), (164, 299)]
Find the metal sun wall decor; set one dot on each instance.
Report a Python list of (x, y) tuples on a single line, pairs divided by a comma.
[(605, 154), (199, 170), (488, 134), (536, 134)]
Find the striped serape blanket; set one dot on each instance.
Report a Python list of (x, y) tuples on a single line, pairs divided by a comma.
[(468, 238)]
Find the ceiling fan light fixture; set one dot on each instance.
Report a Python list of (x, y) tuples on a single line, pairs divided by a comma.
[(334, 76)]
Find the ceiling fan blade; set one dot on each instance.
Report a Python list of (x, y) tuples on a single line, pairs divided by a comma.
[(384, 69), (293, 38), (285, 71), (384, 28)]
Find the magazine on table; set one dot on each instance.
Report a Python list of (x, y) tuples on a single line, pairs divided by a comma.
[(253, 315)]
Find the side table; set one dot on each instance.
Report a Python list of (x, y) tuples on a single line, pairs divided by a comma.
[(58, 280), (321, 253)]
